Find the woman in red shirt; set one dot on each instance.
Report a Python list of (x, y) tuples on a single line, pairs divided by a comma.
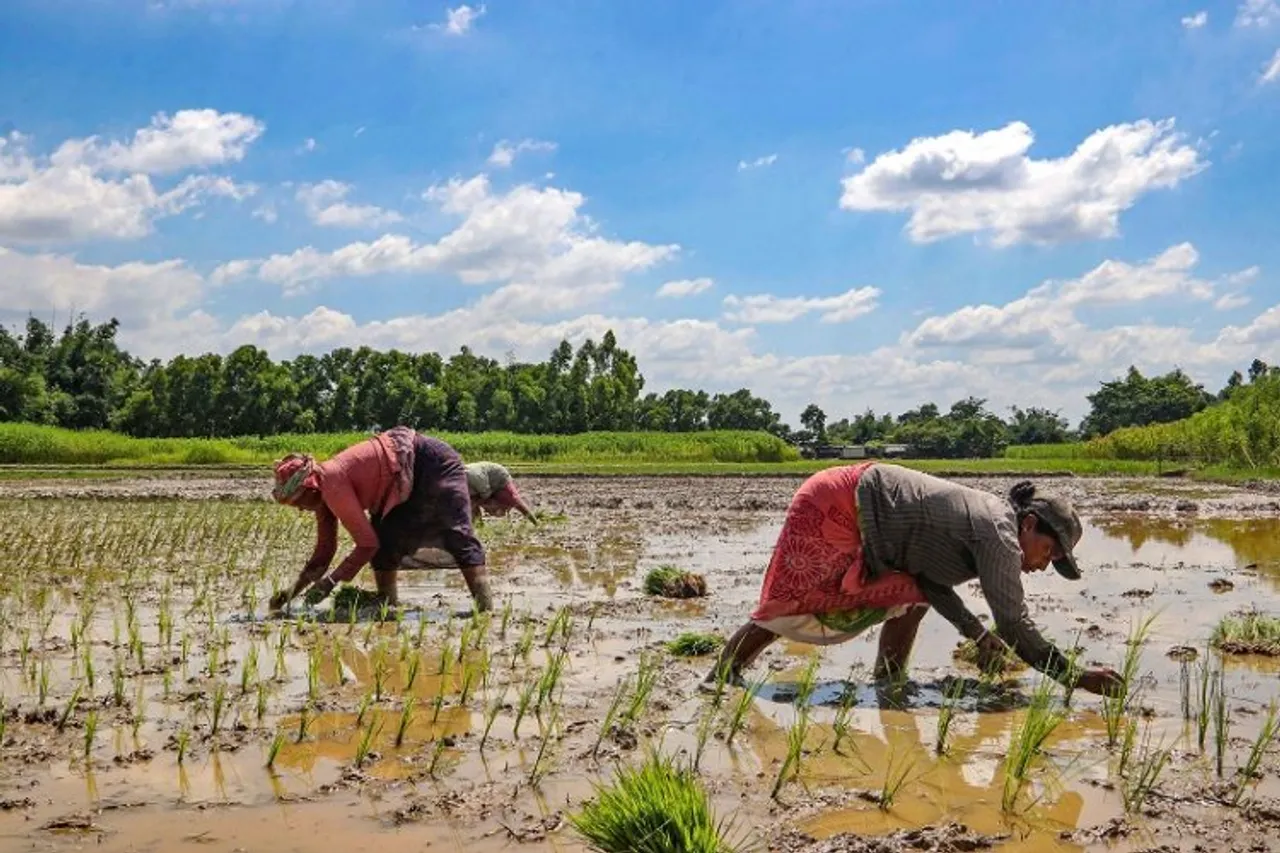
[(414, 489)]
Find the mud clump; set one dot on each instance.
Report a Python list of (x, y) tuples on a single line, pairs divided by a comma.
[(966, 652), (671, 582), (948, 838)]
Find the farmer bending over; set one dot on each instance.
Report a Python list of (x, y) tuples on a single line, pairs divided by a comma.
[(493, 491), (414, 488), (870, 542)]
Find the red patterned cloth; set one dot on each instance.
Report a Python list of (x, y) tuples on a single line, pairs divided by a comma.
[(817, 561)]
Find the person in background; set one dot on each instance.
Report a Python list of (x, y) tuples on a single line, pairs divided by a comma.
[(494, 491), (414, 490), (877, 542)]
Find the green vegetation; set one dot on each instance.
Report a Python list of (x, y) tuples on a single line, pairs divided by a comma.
[(673, 582), (692, 644), (1248, 634), (658, 807), (41, 445)]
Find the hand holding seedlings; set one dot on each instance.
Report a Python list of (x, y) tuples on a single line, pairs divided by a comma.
[(1102, 682)]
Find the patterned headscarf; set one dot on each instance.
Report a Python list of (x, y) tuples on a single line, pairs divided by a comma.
[(485, 479), (292, 475)]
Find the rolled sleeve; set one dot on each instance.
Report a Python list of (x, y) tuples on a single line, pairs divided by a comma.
[(999, 566)]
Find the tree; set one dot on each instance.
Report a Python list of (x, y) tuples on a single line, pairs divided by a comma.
[(1136, 400), (815, 421), (1037, 426)]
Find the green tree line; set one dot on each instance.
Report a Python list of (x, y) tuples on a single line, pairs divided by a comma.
[(83, 379)]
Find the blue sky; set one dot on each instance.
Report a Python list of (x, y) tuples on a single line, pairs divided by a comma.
[(863, 204)]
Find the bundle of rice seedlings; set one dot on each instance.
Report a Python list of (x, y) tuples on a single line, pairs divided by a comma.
[(672, 582), (657, 807), (692, 644)]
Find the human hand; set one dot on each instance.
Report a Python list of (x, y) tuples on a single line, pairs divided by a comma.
[(992, 651), (1103, 682), (319, 591), (279, 601)]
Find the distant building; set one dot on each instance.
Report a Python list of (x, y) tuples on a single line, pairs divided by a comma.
[(854, 451)]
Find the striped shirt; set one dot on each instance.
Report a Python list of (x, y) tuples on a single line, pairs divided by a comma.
[(945, 534)]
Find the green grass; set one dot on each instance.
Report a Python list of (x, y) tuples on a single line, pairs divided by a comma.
[(1248, 634), (657, 807), (41, 445)]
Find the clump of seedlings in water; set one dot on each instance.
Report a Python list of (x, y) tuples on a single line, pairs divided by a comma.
[(491, 716), (1114, 707), (1148, 768), (692, 644), (673, 582), (951, 699), (1041, 717), (895, 778), (740, 707), (406, 720), (660, 802), (1251, 633), (611, 715)]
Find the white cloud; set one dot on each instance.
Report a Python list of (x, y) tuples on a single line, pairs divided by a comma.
[(1271, 72), (505, 152), (758, 163), (1257, 13), (529, 236), (1196, 21), (459, 21), (189, 139), (309, 144), (325, 204), (139, 294), (684, 287), (90, 189), (856, 156), (1228, 301), (765, 308), (966, 182), (267, 213)]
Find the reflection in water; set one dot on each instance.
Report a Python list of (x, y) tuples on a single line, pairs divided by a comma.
[(965, 785), (1254, 541)]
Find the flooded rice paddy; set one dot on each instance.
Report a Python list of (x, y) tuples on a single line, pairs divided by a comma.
[(149, 703)]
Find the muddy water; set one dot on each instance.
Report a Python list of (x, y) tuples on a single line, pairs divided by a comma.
[(1149, 548)]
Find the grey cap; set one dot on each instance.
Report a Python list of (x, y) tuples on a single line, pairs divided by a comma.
[(1061, 516)]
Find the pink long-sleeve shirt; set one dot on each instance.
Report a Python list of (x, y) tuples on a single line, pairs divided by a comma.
[(353, 482)]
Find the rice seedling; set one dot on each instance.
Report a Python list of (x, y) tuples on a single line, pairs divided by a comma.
[(1127, 743), (808, 682), (646, 681), (1267, 734), (524, 645), (446, 660), (657, 807), (1113, 707), (65, 717), (796, 736), (523, 702), (406, 719), (471, 674), (249, 669), (43, 692), (548, 731), (1184, 689), (895, 778), (90, 732), (415, 664), (117, 683), (273, 752), (365, 702), (491, 716), (506, 619), (1207, 693), (562, 624), (4, 723), (367, 738), (313, 674), (304, 723), (951, 699), (437, 705), (550, 679), (260, 708), (611, 715), (182, 742), (381, 672), (88, 668), (217, 708), (1221, 724), (1149, 767), (738, 713), (692, 644), (1041, 717), (437, 753)]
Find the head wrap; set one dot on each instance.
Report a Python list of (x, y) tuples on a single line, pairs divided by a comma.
[(485, 479), (293, 474)]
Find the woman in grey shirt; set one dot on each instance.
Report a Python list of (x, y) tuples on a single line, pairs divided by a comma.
[(876, 542)]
